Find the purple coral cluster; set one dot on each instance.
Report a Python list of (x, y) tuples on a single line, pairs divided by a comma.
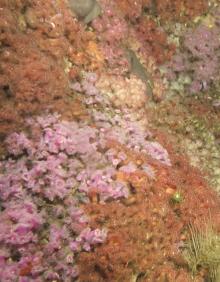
[(113, 30), (37, 229), (67, 155), (199, 57), (50, 172), (118, 124)]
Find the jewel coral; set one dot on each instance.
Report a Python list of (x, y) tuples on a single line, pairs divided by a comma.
[(72, 162), (198, 58), (66, 160)]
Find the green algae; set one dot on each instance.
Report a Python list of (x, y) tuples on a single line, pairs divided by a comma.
[(203, 251), (22, 23), (177, 198)]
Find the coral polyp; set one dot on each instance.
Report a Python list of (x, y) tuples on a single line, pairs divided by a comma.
[(109, 140)]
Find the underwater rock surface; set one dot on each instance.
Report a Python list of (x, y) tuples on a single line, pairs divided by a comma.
[(110, 151), (88, 10)]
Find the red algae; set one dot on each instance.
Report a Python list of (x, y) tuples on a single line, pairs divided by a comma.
[(177, 10), (51, 62), (154, 40), (146, 231), (40, 54), (37, 40), (181, 10), (133, 9)]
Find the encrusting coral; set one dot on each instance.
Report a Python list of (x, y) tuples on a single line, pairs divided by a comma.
[(92, 188), (69, 161), (196, 64)]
